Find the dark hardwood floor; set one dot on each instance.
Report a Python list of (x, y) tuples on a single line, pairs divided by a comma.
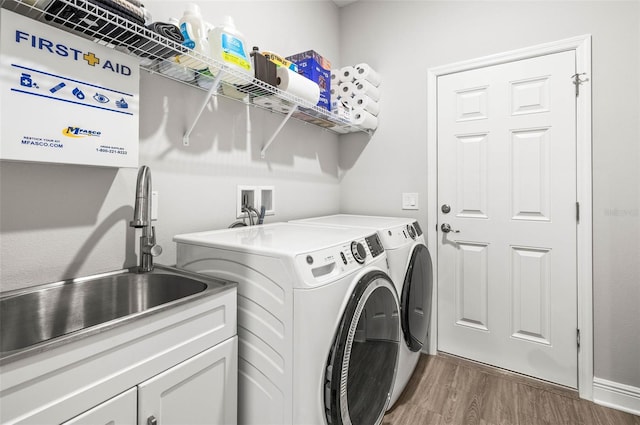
[(449, 390)]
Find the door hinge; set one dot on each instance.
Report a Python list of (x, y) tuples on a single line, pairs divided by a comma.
[(578, 337), (578, 212), (579, 79)]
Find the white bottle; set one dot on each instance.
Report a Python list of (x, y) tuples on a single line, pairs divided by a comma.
[(229, 48), (192, 28)]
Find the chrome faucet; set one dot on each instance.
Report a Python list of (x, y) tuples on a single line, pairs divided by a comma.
[(142, 219)]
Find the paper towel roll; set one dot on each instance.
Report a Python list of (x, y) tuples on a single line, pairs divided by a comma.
[(346, 90), (365, 72), (364, 119), (366, 88), (365, 102), (297, 85), (347, 74)]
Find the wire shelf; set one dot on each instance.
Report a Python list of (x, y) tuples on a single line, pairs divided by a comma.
[(108, 23)]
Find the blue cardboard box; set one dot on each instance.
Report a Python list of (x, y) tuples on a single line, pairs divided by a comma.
[(317, 69)]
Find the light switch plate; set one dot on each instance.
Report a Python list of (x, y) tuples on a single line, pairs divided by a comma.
[(410, 201)]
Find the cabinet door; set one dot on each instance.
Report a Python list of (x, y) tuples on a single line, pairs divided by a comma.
[(120, 410), (201, 390)]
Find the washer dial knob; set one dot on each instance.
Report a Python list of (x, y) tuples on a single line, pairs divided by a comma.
[(358, 251)]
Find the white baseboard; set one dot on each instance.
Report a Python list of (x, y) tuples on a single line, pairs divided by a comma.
[(615, 395)]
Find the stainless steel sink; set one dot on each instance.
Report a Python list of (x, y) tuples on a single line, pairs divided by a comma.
[(55, 313)]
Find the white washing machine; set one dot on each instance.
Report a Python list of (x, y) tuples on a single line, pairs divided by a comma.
[(318, 327), (411, 270)]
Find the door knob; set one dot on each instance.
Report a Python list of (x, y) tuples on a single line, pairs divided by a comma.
[(446, 228)]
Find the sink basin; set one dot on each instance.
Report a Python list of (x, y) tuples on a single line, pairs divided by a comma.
[(47, 313)]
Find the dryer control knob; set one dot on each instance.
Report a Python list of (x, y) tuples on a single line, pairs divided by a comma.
[(412, 231), (358, 251)]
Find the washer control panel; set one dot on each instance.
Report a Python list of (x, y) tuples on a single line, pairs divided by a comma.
[(329, 263), (349, 255), (374, 244), (401, 235)]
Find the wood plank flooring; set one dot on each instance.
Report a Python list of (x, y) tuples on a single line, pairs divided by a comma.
[(449, 390)]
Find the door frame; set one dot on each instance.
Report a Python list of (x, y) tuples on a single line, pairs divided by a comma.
[(582, 47)]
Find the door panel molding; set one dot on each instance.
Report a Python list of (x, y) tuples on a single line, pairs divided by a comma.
[(582, 47)]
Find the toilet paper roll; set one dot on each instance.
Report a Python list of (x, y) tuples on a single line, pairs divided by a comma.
[(364, 119), (347, 74), (365, 88), (340, 111), (335, 77), (365, 72), (348, 102), (335, 94), (365, 102), (297, 85), (346, 90)]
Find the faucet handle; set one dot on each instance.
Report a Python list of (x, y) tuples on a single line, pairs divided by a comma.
[(155, 250), (152, 249)]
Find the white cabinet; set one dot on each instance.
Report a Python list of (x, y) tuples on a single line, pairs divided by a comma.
[(200, 390), (120, 410)]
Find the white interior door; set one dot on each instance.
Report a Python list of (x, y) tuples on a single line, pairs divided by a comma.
[(507, 284)]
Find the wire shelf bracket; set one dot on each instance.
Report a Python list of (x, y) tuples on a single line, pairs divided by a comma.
[(212, 90), (263, 152)]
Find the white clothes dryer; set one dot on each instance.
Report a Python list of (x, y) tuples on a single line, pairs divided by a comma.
[(411, 270), (318, 327)]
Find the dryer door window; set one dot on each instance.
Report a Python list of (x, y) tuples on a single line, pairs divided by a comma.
[(416, 298), (362, 363)]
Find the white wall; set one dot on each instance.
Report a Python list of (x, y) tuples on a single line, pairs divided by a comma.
[(62, 221), (402, 39)]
